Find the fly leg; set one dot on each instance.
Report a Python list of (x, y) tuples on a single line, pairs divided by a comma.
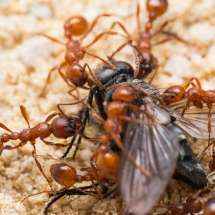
[(68, 192)]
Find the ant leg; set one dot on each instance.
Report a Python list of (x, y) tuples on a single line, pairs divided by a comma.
[(55, 40), (25, 114), (78, 100), (3, 126), (160, 29), (98, 37), (209, 133), (94, 23), (198, 83), (68, 192), (65, 79), (84, 119), (68, 104), (101, 59), (52, 143), (105, 193), (69, 147), (51, 116), (118, 49), (93, 76), (123, 28), (56, 197), (153, 76), (175, 36), (48, 79), (34, 154), (77, 146), (28, 196)]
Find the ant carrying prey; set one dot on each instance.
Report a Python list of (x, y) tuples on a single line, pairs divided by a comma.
[(192, 94), (135, 120)]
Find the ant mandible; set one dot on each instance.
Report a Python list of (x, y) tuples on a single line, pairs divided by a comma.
[(61, 127), (75, 75)]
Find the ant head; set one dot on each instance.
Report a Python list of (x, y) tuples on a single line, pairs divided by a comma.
[(147, 64), (64, 127), (63, 174), (76, 75), (75, 26), (173, 94), (122, 72)]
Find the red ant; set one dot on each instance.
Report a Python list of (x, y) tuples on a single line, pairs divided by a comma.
[(61, 127), (75, 74), (193, 92), (146, 62), (101, 174), (116, 110)]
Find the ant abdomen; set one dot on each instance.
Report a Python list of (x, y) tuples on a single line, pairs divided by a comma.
[(63, 174), (156, 8), (75, 26), (76, 75)]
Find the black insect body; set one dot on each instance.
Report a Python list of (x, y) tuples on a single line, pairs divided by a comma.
[(108, 76), (122, 72), (152, 137), (189, 168)]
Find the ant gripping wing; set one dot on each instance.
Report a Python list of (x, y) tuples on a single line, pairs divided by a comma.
[(196, 122), (153, 142)]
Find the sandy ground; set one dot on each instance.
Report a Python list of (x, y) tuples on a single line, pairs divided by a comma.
[(26, 58)]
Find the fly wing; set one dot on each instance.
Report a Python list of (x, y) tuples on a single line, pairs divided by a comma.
[(155, 147), (195, 122)]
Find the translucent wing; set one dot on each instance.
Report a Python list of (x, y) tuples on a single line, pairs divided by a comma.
[(155, 146), (147, 88), (195, 122)]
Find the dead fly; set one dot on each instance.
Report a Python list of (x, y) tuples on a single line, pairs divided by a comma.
[(151, 138)]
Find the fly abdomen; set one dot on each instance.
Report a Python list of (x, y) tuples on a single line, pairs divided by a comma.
[(189, 168)]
